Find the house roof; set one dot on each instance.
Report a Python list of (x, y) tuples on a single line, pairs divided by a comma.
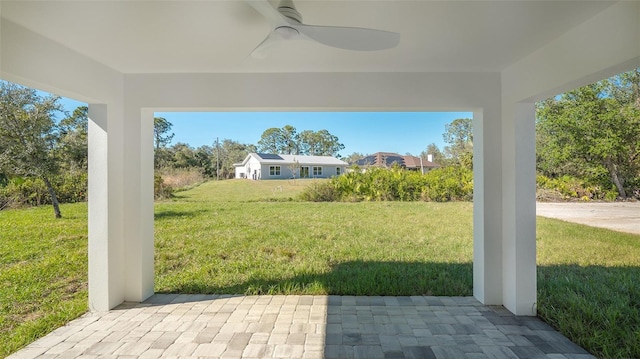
[(270, 158), (387, 159), (417, 162)]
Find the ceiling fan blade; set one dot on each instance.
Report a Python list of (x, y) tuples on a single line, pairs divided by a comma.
[(265, 9), (351, 38), (286, 24), (260, 52)]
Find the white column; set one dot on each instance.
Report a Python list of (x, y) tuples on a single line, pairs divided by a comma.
[(138, 206), (519, 208), (487, 206), (120, 206), (106, 265)]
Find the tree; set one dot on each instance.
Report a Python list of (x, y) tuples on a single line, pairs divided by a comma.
[(320, 143), (73, 144), (286, 140), (307, 142), (354, 157), (329, 144), (232, 152), (204, 157), (593, 132), (289, 141), (459, 137), (279, 140), (183, 156), (294, 167), (29, 135), (270, 141), (437, 155), (161, 139)]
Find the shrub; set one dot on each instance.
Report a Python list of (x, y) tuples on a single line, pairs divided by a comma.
[(351, 184), (72, 186), (320, 192), (161, 190), (69, 187), (10, 195), (395, 184), (181, 178), (571, 188), (452, 183)]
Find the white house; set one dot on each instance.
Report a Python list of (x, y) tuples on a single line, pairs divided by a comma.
[(258, 166)]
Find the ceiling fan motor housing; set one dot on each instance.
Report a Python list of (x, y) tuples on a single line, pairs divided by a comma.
[(287, 32)]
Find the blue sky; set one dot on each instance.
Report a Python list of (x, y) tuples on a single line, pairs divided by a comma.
[(364, 132)]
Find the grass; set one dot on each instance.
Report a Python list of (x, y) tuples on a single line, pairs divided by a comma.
[(251, 237), (237, 245), (588, 286), (43, 272)]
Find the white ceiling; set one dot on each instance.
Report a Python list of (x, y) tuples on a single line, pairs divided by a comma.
[(218, 36)]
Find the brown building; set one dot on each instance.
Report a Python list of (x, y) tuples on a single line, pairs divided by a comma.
[(388, 159)]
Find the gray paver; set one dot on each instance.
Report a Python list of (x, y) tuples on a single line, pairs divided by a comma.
[(232, 326), (338, 352), (528, 352), (419, 352), (499, 352), (368, 352), (447, 352)]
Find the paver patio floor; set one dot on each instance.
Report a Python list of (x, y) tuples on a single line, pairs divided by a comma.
[(227, 326)]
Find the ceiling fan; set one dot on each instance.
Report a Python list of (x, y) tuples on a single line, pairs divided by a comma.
[(286, 24)]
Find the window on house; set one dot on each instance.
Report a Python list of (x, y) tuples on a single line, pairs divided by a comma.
[(338, 171), (274, 170), (317, 171), (304, 172)]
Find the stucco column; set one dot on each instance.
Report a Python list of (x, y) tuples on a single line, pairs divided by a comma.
[(487, 206), (106, 212), (120, 206), (138, 204), (519, 208)]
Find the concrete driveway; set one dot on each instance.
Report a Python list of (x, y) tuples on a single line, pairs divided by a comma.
[(617, 216)]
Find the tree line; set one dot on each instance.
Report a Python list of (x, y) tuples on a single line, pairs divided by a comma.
[(587, 141), (587, 145), (217, 160), (288, 141)]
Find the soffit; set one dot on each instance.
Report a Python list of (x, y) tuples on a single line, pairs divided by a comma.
[(218, 36)]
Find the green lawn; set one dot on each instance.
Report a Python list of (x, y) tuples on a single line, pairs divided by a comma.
[(43, 272), (249, 237), (589, 286), (233, 244)]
